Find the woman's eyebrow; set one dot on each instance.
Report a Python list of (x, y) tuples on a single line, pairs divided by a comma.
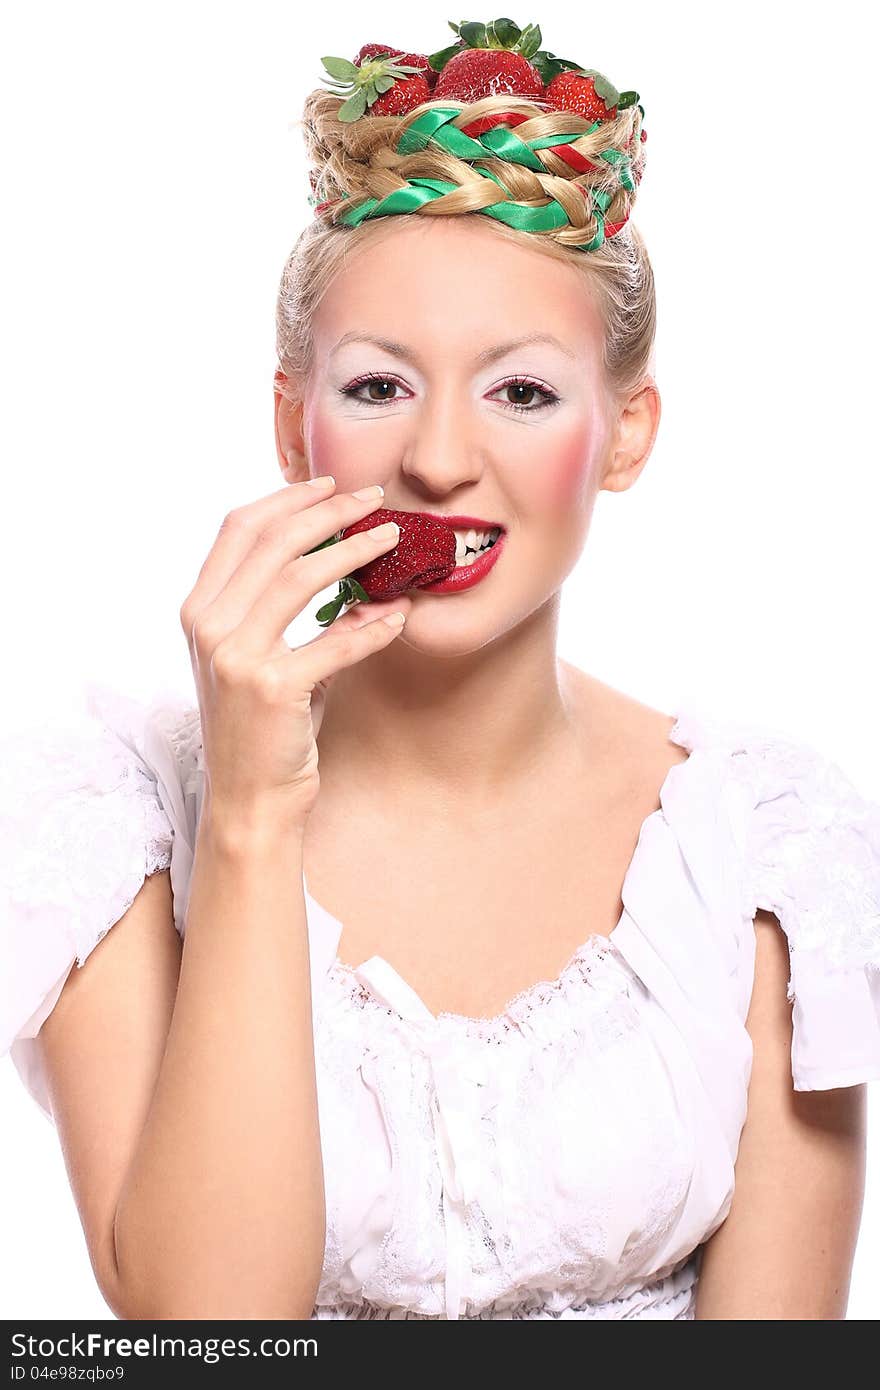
[(491, 354)]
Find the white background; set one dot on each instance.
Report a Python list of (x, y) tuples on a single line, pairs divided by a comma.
[(153, 189)]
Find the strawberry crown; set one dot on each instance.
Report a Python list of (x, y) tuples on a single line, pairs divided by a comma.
[(504, 34), (427, 122), (361, 84)]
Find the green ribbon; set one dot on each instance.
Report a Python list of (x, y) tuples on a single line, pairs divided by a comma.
[(501, 142)]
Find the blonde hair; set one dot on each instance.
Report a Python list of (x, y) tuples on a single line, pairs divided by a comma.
[(356, 160)]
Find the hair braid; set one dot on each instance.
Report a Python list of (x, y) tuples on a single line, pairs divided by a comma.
[(358, 161)]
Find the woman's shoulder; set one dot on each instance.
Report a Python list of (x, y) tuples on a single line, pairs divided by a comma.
[(91, 804), (806, 834), (755, 817)]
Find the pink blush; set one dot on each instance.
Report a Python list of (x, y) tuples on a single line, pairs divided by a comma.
[(568, 475), (324, 451)]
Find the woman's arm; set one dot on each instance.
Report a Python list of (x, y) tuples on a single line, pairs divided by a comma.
[(182, 1086), (222, 1212), (786, 1249)]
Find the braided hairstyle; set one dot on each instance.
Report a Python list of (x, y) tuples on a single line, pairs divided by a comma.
[(357, 164)]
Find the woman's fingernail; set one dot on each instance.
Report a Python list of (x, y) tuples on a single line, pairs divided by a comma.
[(366, 493), (324, 481)]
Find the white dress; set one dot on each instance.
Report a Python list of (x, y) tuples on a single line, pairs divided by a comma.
[(567, 1158)]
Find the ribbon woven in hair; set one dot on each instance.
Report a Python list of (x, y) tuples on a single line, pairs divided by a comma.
[(499, 142)]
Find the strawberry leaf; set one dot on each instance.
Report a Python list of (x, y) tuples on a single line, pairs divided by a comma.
[(358, 591), (331, 540), (439, 59), (604, 89), (502, 33), (548, 66), (474, 35), (529, 41), (384, 84), (627, 99), (355, 107), (341, 68), (328, 612)]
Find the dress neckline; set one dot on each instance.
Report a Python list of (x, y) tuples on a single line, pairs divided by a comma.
[(597, 948)]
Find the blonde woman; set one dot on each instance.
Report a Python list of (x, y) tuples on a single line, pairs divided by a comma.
[(414, 972)]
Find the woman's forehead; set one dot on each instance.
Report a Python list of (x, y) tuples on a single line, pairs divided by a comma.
[(449, 279)]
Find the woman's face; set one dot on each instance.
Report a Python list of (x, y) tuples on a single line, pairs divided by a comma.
[(453, 420)]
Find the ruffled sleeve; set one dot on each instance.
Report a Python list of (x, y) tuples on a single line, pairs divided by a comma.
[(812, 857), (81, 827)]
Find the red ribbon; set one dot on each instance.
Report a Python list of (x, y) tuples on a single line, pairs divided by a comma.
[(484, 123)]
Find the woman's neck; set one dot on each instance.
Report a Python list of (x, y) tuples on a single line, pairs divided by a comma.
[(455, 727)]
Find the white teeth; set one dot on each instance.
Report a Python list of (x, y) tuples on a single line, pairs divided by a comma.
[(473, 540), (479, 541)]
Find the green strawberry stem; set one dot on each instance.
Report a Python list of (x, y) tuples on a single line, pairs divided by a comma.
[(350, 591), (363, 84)]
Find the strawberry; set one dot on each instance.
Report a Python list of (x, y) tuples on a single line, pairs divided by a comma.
[(484, 72), (406, 93), (383, 84), (425, 551), (488, 59), (417, 60), (586, 93), (481, 63)]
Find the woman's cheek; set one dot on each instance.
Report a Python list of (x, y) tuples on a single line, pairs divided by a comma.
[(325, 452), (568, 472), (332, 450)]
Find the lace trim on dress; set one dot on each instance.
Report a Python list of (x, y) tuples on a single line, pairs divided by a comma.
[(186, 740), (595, 963), (670, 1298)]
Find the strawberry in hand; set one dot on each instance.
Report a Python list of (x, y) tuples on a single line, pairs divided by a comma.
[(425, 552)]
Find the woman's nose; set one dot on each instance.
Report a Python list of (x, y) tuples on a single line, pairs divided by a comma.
[(445, 449)]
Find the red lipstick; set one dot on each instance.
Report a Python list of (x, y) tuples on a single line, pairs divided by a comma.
[(463, 523), (465, 576)]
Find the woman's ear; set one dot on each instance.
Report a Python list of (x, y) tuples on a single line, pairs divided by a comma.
[(636, 430), (289, 441)]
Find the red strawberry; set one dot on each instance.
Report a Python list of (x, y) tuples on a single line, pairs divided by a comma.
[(383, 86), (425, 552), (573, 90), (416, 60), (475, 73), (406, 93)]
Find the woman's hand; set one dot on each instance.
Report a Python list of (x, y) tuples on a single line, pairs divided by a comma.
[(262, 702)]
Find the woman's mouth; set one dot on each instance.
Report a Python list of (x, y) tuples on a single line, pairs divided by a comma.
[(470, 544), (473, 561)]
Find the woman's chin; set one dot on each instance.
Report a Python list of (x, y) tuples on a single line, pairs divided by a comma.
[(439, 628)]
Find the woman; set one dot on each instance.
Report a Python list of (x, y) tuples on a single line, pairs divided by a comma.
[(496, 1016)]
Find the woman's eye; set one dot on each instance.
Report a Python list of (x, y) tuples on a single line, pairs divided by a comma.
[(381, 390), (530, 389)]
